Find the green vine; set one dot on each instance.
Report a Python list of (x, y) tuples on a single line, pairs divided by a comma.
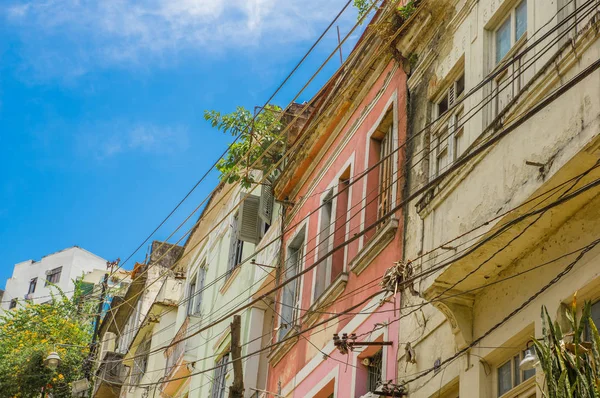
[(254, 139)]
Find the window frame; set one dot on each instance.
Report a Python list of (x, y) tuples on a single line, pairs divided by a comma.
[(325, 242), (297, 246), (236, 248), (51, 274), (218, 391), (447, 128), (511, 15), (32, 282), (191, 296), (517, 375)]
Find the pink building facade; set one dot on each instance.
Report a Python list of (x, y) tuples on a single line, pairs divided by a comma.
[(343, 229)]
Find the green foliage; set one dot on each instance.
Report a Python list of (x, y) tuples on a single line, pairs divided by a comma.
[(254, 139), (28, 334), (363, 7), (570, 364), (407, 10)]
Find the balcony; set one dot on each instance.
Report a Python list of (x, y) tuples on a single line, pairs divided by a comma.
[(111, 375), (178, 357), (170, 292)]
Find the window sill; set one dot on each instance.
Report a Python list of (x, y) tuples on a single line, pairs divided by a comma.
[(326, 299), (230, 278), (523, 390), (374, 246), (278, 353)]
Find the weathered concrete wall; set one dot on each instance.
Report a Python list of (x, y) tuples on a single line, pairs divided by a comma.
[(470, 204)]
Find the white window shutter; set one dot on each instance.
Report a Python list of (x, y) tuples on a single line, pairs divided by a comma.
[(248, 230), (451, 95), (200, 288), (266, 202)]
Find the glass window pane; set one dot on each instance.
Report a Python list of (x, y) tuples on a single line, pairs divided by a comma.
[(516, 370), (521, 19), (504, 378), (527, 374), (596, 314), (503, 40)]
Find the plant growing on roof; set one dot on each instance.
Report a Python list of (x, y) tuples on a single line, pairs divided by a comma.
[(259, 140), (407, 10), (571, 365), (29, 333)]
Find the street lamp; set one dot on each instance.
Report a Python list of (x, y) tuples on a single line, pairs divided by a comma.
[(53, 360), (530, 361)]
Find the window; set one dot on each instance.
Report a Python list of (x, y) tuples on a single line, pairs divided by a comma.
[(511, 30), (53, 276), (510, 375), (323, 271), (459, 144), (342, 216), (191, 295), (218, 389), (140, 362), (237, 247), (32, 285), (386, 173), (201, 278), (291, 292), (380, 179), (375, 371), (13, 304), (447, 140)]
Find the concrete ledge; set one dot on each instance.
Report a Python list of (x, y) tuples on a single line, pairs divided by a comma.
[(331, 294), (230, 279), (374, 246)]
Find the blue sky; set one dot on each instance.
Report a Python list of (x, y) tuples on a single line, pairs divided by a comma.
[(101, 109)]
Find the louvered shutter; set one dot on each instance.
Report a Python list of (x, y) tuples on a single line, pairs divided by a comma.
[(248, 220), (451, 95), (266, 202)]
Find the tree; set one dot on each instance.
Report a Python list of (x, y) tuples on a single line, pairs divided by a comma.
[(364, 7), (571, 364), (258, 141), (29, 333)]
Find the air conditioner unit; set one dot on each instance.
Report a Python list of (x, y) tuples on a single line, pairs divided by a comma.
[(80, 387)]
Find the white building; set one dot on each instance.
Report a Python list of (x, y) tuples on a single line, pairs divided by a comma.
[(33, 280)]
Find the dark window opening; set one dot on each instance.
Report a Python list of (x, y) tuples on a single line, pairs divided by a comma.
[(460, 85), (53, 276), (443, 106), (32, 286)]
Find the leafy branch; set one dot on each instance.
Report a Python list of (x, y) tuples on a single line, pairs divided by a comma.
[(571, 364), (259, 140)]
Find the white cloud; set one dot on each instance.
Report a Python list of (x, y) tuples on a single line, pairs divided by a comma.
[(126, 31), (106, 140)]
